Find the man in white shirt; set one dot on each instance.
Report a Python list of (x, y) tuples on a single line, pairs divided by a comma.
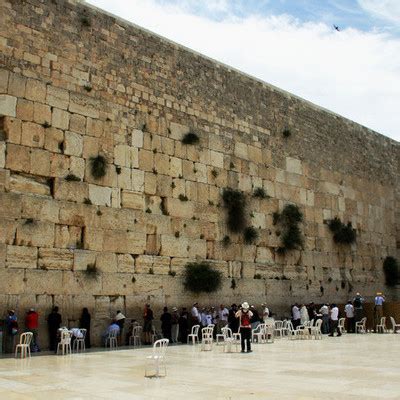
[(196, 318), (324, 311), (350, 321), (296, 315), (334, 320), (223, 314), (265, 312), (379, 300)]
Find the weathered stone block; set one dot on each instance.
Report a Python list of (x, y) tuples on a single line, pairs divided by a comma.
[(107, 262), (70, 190), (40, 162), (59, 165), (22, 184), (60, 119), (12, 128), (132, 200), (84, 105), (36, 233), (57, 97), (4, 180), (124, 242), (4, 75), (100, 195), (67, 236), (41, 113), (126, 263), (293, 165), (12, 281), (56, 259), (77, 167), (8, 105), (174, 247), (178, 208), (2, 154), (32, 135), (137, 138), (77, 123), (53, 140), (16, 85), (21, 257), (177, 131), (83, 258), (73, 144), (137, 180), (18, 158), (24, 110), (35, 90)]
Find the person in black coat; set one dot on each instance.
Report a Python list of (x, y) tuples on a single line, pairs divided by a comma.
[(183, 326), (53, 324), (233, 322), (166, 324), (84, 323)]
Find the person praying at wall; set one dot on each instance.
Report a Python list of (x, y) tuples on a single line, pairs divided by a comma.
[(53, 323)]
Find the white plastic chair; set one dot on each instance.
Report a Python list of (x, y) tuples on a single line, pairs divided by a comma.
[(292, 333), (315, 331), (278, 328), (395, 327), (361, 326), (258, 333), (194, 335), (65, 342), (207, 338), (156, 362), (231, 340), (79, 342), (24, 345), (222, 335), (136, 336), (381, 328), (111, 339), (341, 326)]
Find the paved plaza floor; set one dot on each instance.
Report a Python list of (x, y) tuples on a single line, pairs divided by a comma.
[(349, 367)]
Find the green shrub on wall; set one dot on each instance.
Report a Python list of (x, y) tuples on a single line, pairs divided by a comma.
[(289, 220), (342, 233), (391, 271), (201, 277), (235, 203), (98, 167)]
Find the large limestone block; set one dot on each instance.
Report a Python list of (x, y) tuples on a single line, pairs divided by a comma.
[(265, 255), (107, 262), (84, 105), (126, 263), (8, 105), (217, 159), (126, 156), (56, 259), (3, 253), (67, 236), (123, 284), (161, 163), (124, 242), (241, 150), (21, 257), (73, 144), (70, 190), (78, 282), (35, 90), (10, 205), (40, 208), (57, 97), (22, 184), (93, 238), (178, 208), (137, 180), (146, 160), (77, 167), (197, 248), (35, 233), (144, 264), (100, 195), (32, 135), (175, 167), (137, 138), (41, 113), (44, 282), (12, 281), (177, 131), (8, 228), (77, 123), (12, 128), (124, 178), (40, 162), (294, 165), (4, 75), (83, 258), (18, 158), (174, 247), (4, 180)]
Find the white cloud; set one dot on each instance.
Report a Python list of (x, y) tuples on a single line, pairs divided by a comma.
[(385, 9), (353, 73)]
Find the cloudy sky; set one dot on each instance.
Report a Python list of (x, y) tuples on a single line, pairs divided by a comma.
[(293, 44)]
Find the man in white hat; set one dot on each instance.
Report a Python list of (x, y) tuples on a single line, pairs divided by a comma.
[(120, 320), (244, 315)]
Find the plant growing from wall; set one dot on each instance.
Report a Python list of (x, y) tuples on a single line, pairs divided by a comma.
[(233, 284), (226, 241), (98, 166), (250, 235), (72, 178), (342, 233), (190, 138), (201, 277), (391, 270), (235, 203), (286, 133), (289, 220), (260, 193), (92, 271), (182, 197)]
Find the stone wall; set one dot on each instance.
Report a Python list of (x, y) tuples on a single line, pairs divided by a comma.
[(76, 83)]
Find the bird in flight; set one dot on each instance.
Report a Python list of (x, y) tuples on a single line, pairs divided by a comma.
[(336, 27)]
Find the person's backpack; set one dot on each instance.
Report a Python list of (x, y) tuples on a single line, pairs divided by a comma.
[(245, 319), (357, 302)]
